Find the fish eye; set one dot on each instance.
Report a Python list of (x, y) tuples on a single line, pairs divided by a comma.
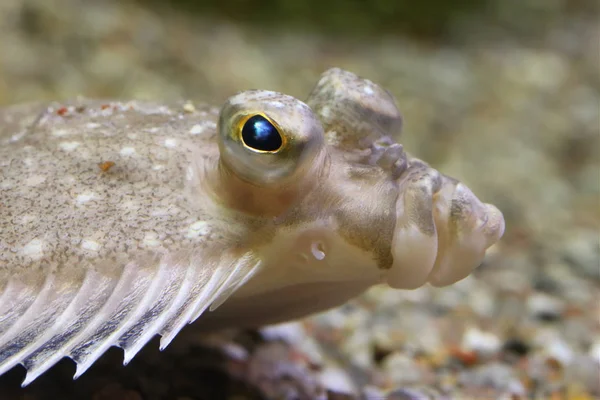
[(261, 135), (269, 139)]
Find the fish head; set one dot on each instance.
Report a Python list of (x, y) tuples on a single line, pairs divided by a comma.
[(337, 198)]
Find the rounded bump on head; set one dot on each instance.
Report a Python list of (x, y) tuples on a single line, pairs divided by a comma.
[(354, 107), (267, 137)]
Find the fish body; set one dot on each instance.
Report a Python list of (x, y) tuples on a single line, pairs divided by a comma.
[(123, 220)]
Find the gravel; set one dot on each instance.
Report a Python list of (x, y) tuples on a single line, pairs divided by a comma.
[(512, 109)]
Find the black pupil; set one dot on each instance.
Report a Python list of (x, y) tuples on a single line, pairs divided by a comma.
[(259, 134)]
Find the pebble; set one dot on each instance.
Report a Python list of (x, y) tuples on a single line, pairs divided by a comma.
[(370, 392), (485, 344), (358, 346), (559, 350), (494, 375), (402, 369), (291, 332), (595, 351), (407, 394), (337, 380), (585, 371), (516, 346), (545, 307), (524, 101), (582, 251), (482, 301)]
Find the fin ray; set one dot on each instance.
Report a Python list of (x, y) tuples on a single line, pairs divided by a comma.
[(82, 317)]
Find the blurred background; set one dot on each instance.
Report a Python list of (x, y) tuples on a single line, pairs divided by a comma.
[(502, 94)]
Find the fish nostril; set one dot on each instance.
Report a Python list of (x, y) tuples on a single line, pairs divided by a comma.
[(318, 250), (391, 155)]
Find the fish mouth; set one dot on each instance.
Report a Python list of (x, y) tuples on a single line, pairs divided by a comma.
[(442, 230)]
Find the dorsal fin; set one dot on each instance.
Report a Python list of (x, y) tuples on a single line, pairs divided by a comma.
[(82, 318)]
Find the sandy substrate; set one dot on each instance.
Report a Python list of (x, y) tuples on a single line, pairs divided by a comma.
[(513, 113)]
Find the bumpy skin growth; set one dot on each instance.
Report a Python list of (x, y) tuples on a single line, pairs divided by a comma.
[(120, 221)]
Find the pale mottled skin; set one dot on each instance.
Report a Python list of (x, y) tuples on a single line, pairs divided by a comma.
[(55, 193), (119, 221)]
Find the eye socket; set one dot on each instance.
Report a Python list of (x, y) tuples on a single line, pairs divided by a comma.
[(258, 133)]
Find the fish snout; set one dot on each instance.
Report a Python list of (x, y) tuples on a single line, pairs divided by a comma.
[(442, 231)]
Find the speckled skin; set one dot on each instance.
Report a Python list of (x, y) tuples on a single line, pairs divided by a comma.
[(58, 205), (122, 220)]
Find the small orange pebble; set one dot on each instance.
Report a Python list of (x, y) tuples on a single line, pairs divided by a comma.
[(468, 358), (106, 165), (104, 106), (573, 311), (555, 372), (299, 357), (559, 395), (332, 335), (553, 363), (62, 111), (309, 326)]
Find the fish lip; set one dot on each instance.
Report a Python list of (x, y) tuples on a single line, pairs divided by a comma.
[(414, 249), (442, 232)]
